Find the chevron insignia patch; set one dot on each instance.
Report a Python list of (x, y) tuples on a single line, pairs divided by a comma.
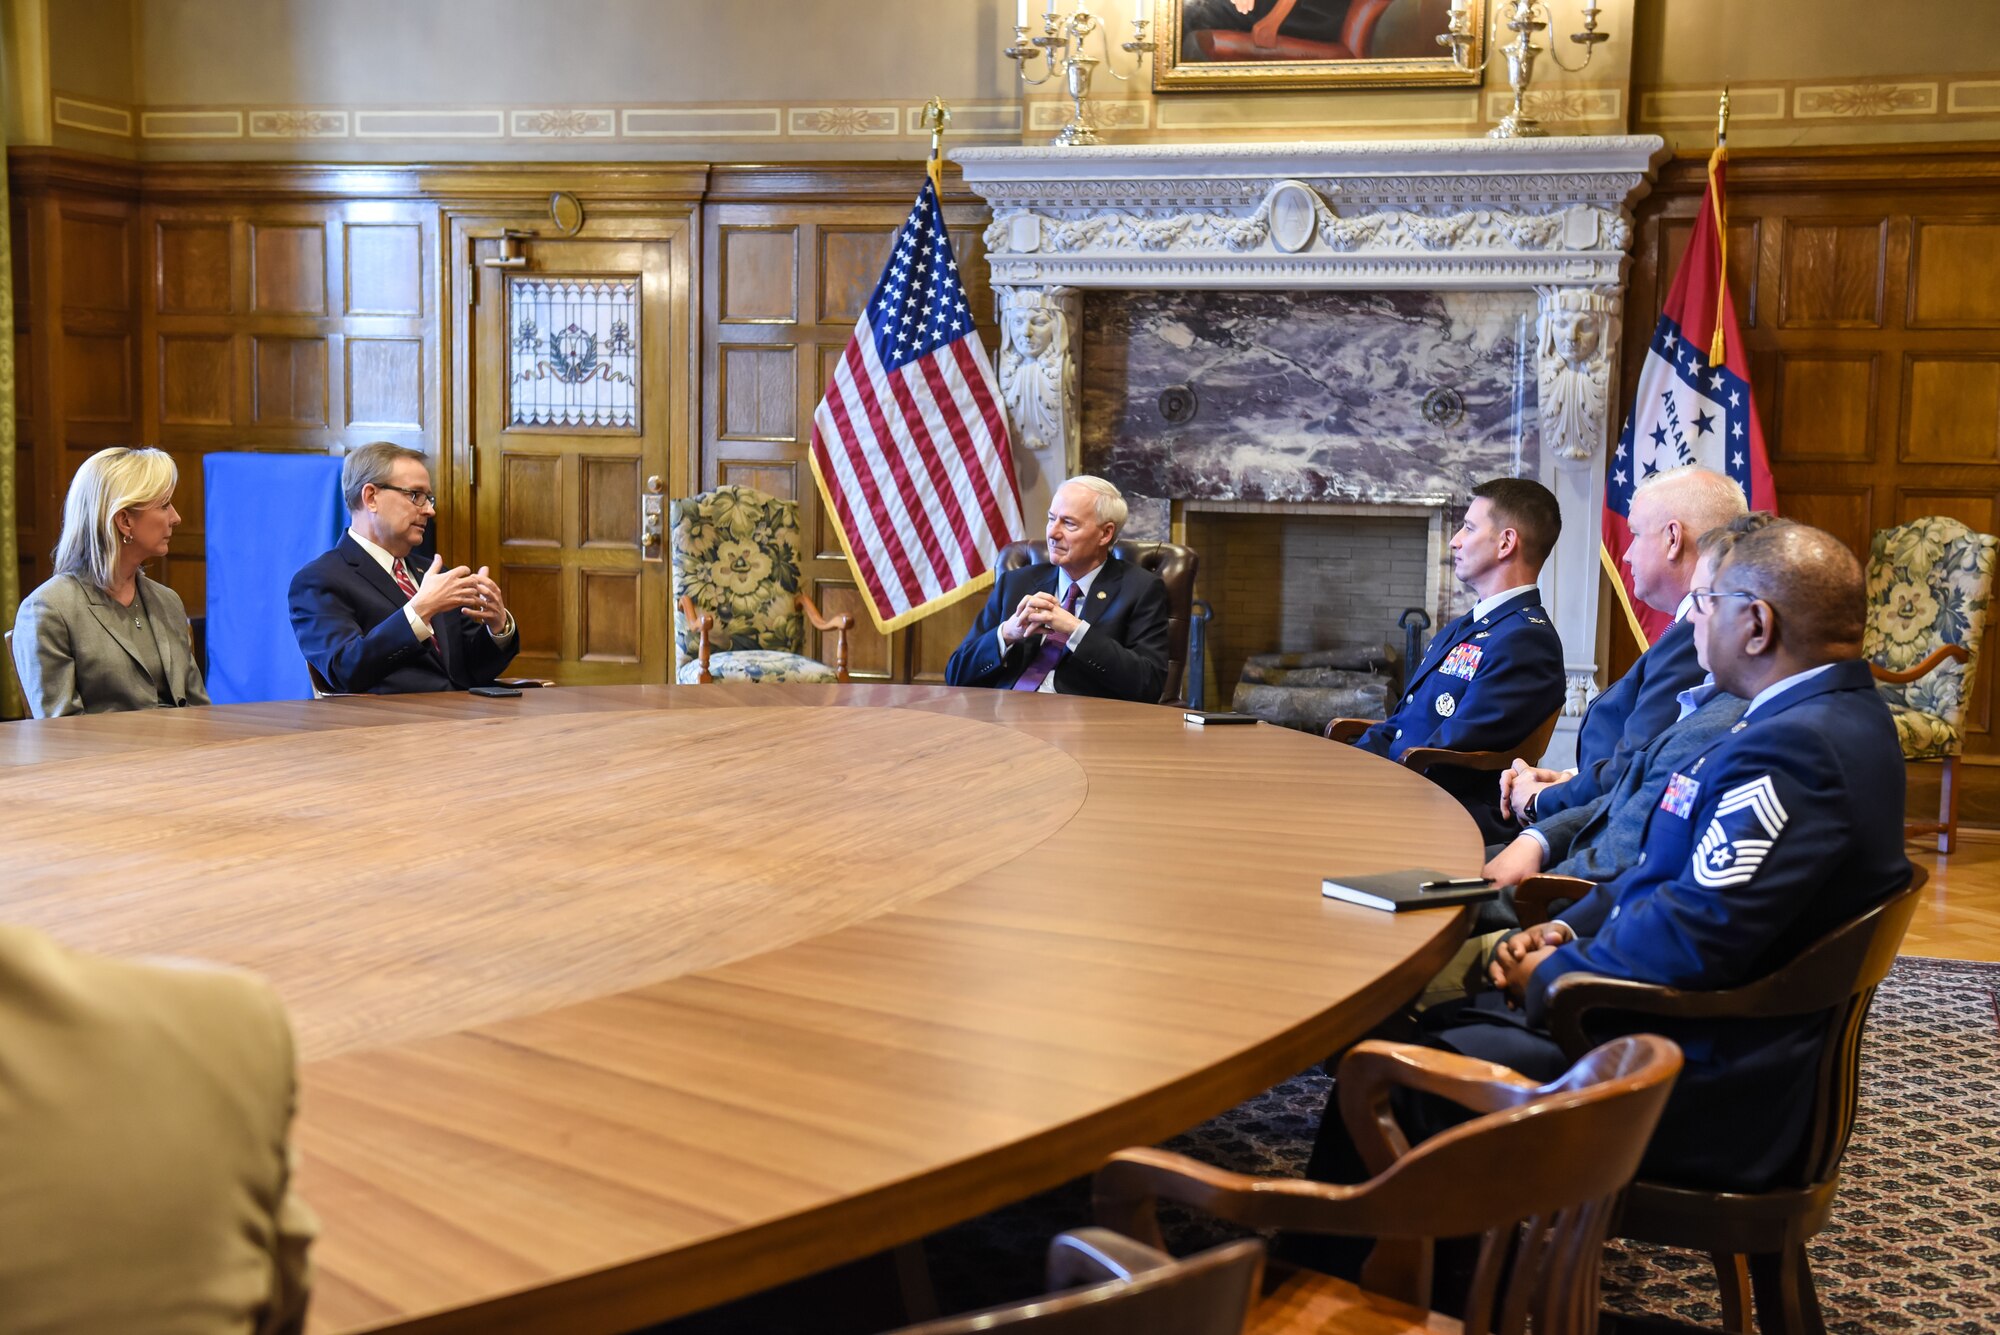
[(1746, 823)]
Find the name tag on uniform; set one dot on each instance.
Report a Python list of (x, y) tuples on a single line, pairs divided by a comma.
[(1462, 661), (1680, 796)]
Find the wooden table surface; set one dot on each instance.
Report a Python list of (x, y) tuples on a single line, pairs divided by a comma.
[(614, 1003)]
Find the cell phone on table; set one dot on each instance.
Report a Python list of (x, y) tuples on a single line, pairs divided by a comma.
[(493, 692)]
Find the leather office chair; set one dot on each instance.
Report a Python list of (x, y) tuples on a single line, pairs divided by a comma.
[(1357, 35), (1104, 1284), (1757, 1240), (1174, 564), (1565, 1150)]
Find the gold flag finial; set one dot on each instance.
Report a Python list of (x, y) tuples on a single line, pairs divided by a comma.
[(937, 115), (1722, 119)]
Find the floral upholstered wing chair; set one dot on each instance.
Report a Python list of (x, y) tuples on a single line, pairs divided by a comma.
[(1928, 584), (739, 613)]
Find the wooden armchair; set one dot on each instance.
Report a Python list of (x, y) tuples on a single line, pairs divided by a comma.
[(1928, 585), (1757, 1241), (739, 612), (1421, 758), (1536, 1176), (1104, 1284)]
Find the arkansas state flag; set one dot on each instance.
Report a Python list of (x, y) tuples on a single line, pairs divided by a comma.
[(1693, 403)]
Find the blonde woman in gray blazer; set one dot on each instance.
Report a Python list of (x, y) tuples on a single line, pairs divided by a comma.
[(99, 636)]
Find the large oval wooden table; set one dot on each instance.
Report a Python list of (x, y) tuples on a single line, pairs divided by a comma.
[(615, 1003)]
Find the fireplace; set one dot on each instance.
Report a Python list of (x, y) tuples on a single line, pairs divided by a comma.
[(1311, 327)]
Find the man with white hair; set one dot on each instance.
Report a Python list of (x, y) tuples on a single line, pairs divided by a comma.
[(1083, 623), (1669, 512)]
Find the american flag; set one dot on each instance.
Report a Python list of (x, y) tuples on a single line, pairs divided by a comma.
[(1692, 404), (910, 444)]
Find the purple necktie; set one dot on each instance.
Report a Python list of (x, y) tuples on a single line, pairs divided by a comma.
[(1045, 659)]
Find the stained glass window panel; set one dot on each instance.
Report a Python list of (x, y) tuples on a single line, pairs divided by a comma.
[(573, 356)]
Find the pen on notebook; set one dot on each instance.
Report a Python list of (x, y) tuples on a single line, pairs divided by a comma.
[(1459, 883)]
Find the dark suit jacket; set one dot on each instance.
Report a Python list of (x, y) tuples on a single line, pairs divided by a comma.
[(1786, 825), (1505, 682), (348, 615), (1625, 717), (1122, 657)]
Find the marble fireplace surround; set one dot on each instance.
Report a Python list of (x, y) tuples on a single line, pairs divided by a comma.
[(1551, 217)]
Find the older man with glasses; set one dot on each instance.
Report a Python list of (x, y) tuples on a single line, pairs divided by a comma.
[(366, 622)]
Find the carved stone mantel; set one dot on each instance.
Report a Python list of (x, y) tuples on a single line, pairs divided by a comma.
[(1548, 215)]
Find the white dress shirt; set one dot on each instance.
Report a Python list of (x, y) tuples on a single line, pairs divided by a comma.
[(1063, 581)]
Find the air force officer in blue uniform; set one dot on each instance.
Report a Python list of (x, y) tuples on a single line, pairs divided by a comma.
[(1785, 826), (1494, 675)]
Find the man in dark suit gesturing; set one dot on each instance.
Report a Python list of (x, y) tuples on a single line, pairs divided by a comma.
[(1491, 677), (366, 622), (1087, 623)]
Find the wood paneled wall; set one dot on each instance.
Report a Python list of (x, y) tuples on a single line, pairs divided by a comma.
[(789, 265), (205, 307), (1869, 288), (198, 322)]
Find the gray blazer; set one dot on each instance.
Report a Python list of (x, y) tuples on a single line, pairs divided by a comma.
[(1600, 839), (77, 653)]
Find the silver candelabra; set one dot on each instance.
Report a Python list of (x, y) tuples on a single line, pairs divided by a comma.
[(1060, 48), (1525, 19)]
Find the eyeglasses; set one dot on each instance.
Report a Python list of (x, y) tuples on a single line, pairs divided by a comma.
[(1704, 599), (420, 499)]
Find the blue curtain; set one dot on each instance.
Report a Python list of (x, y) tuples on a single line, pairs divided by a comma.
[(267, 515)]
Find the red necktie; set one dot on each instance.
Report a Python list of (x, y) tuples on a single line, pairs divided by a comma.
[(409, 588)]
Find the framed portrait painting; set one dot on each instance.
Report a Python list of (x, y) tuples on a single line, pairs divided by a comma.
[(1219, 45)]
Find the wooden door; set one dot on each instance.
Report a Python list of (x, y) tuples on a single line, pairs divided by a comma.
[(576, 412)]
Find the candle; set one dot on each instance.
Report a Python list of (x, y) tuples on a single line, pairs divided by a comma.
[(1021, 14), (1458, 8), (1052, 13), (1139, 14)]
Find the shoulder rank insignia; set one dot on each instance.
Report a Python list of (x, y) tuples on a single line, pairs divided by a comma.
[(1747, 821), (1538, 621)]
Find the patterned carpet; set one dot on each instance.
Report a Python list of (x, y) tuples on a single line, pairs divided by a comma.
[(1915, 1240)]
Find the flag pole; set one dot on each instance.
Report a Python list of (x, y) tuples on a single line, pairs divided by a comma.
[(1715, 161), (937, 115)]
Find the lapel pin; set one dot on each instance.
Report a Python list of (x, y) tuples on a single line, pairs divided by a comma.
[(1100, 593)]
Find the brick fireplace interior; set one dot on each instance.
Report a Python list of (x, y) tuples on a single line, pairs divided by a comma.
[(1295, 578)]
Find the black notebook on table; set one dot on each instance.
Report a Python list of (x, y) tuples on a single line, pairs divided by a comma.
[(1395, 891)]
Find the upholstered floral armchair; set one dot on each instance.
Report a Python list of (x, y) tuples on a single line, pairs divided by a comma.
[(739, 613), (1928, 583)]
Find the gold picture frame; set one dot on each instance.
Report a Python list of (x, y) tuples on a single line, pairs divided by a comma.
[(1308, 46)]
